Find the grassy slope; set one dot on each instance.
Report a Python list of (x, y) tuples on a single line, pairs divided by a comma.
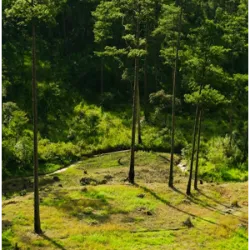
[(111, 216)]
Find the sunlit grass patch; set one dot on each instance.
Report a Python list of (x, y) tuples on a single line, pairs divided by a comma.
[(126, 240), (7, 237), (124, 197), (236, 240)]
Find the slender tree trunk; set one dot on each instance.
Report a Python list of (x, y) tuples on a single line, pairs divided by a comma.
[(131, 175), (197, 153), (102, 66), (1, 112), (64, 33), (188, 192), (132, 156), (37, 224), (245, 153), (171, 175), (156, 72), (146, 113), (1, 151), (138, 114), (230, 126)]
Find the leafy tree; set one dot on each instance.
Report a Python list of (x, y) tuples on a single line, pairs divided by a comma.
[(106, 14), (203, 99), (170, 26), (162, 102)]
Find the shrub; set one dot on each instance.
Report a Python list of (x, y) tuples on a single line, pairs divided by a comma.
[(58, 153)]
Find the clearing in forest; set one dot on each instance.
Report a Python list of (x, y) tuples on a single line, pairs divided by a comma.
[(91, 206)]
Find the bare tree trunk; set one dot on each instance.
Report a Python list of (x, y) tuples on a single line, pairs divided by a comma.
[(188, 192), (146, 113), (245, 153), (230, 127), (65, 50), (37, 224), (131, 175), (138, 114), (1, 110), (132, 157), (171, 175), (197, 153), (102, 65)]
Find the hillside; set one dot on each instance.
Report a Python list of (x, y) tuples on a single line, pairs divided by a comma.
[(109, 213)]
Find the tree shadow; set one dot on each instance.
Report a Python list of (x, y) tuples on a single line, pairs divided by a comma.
[(6, 224), (190, 214), (90, 207), (212, 208), (204, 204), (177, 190), (169, 204), (56, 244), (12, 187), (210, 198)]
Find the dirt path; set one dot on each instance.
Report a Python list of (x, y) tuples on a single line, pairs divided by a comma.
[(62, 169)]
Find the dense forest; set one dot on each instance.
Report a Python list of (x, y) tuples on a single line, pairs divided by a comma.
[(174, 71), (125, 124)]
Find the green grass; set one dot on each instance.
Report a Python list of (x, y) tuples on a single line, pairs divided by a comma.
[(238, 240), (112, 216), (7, 237)]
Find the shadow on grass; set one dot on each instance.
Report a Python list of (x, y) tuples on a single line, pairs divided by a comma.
[(204, 204), (185, 212), (214, 200), (212, 208), (91, 206), (169, 204), (17, 186), (177, 190), (6, 224), (195, 200), (56, 244)]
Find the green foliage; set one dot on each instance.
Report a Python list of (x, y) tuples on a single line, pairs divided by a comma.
[(7, 236), (207, 98), (220, 161), (75, 37), (59, 153), (44, 12), (104, 15)]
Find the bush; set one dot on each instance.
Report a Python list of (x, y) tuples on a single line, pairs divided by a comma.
[(58, 153), (217, 160)]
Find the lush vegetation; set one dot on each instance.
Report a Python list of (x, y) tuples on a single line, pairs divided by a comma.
[(152, 83), (85, 71)]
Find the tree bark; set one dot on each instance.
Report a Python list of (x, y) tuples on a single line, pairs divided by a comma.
[(1, 110), (146, 113), (246, 143), (188, 192), (102, 76), (230, 127), (197, 153), (132, 155), (138, 114), (37, 224), (171, 175), (131, 175)]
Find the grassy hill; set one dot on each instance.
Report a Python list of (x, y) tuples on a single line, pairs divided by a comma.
[(108, 213)]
